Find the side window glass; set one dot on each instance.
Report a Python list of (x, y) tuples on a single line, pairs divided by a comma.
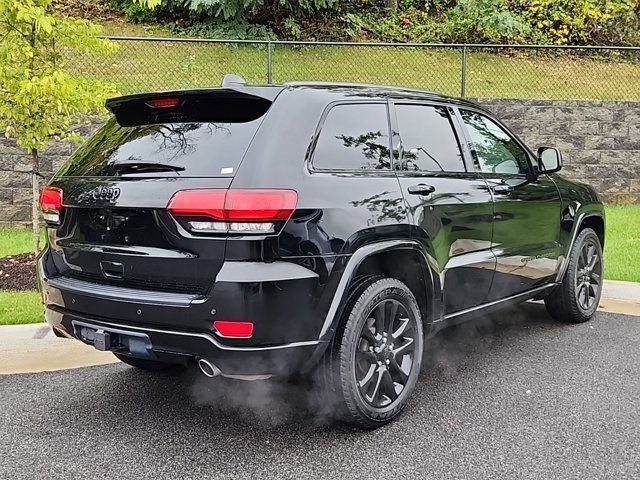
[(428, 139), (495, 150), (354, 137)]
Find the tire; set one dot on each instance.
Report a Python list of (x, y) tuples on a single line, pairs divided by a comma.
[(567, 302), (363, 370), (144, 364)]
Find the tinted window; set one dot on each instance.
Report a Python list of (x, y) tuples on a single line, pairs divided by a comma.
[(428, 139), (495, 150), (194, 149), (354, 137)]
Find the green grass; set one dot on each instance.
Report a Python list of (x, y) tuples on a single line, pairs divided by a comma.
[(143, 66), (622, 258), (14, 241), (20, 307), (622, 245), (23, 306)]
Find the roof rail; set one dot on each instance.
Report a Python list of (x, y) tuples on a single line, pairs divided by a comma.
[(233, 79)]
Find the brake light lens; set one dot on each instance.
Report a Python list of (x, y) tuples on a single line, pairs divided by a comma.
[(51, 204), (234, 210), (163, 102), (229, 329)]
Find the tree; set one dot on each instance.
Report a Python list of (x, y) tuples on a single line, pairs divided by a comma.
[(39, 100)]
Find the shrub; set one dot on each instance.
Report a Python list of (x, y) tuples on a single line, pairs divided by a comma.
[(581, 21), (484, 21)]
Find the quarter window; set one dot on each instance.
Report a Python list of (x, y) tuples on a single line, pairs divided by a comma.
[(354, 137), (428, 139), (495, 151)]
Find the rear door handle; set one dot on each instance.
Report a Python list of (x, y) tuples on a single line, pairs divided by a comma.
[(421, 189), (503, 188)]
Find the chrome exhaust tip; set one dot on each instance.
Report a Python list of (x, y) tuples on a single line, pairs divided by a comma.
[(208, 368)]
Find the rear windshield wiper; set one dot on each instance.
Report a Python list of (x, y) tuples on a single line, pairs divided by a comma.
[(142, 167)]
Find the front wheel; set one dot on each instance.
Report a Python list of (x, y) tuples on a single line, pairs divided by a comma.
[(576, 299), (374, 363)]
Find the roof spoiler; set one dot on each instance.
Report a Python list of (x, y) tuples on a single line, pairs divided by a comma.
[(234, 101), (220, 105)]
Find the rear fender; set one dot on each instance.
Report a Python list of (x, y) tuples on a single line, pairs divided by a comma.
[(338, 303)]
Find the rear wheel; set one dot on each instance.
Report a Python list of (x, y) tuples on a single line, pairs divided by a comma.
[(144, 364), (374, 363), (576, 299)]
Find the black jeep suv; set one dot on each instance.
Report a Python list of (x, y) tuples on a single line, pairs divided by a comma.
[(319, 230)]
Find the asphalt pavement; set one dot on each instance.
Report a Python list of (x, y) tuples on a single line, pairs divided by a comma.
[(515, 395)]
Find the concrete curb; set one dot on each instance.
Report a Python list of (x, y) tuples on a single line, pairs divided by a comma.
[(34, 348), (619, 290)]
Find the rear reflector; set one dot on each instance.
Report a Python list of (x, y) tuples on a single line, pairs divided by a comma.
[(163, 102), (237, 211), (230, 329), (51, 203)]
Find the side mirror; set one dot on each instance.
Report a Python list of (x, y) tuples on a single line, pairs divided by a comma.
[(549, 160)]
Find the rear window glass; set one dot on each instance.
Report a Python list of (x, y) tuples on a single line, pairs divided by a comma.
[(183, 149), (354, 137)]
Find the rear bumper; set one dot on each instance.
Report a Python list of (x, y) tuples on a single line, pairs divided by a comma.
[(177, 327), (182, 347)]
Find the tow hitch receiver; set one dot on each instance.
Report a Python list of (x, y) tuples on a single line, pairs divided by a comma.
[(102, 340), (106, 339)]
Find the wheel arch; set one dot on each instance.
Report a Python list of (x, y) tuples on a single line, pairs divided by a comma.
[(596, 222), (593, 219), (409, 266), (379, 258), (386, 258)]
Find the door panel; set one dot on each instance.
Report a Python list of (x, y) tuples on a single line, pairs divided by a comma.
[(526, 208), (455, 225), (525, 234), (450, 207)]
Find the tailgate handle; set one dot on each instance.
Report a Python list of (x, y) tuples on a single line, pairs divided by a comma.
[(112, 269)]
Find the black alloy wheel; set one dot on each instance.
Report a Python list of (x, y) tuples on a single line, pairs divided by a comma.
[(577, 297), (588, 275), (384, 356), (373, 365)]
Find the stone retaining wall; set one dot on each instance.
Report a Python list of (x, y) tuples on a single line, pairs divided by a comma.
[(600, 141)]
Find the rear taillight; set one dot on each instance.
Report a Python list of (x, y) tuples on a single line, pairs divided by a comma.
[(247, 211), (51, 204)]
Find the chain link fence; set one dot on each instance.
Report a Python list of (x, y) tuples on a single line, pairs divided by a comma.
[(478, 71)]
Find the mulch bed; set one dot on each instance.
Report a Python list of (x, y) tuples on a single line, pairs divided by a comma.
[(18, 272)]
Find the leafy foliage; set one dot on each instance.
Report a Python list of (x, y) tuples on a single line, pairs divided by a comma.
[(614, 22), (235, 9), (483, 21), (38, 98), (233, 30), (581, 21)]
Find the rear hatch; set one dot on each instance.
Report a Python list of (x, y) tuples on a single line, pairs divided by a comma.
[(114, 227)]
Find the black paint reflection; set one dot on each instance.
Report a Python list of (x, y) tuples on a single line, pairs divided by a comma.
[(189, 149), (354, 137)]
